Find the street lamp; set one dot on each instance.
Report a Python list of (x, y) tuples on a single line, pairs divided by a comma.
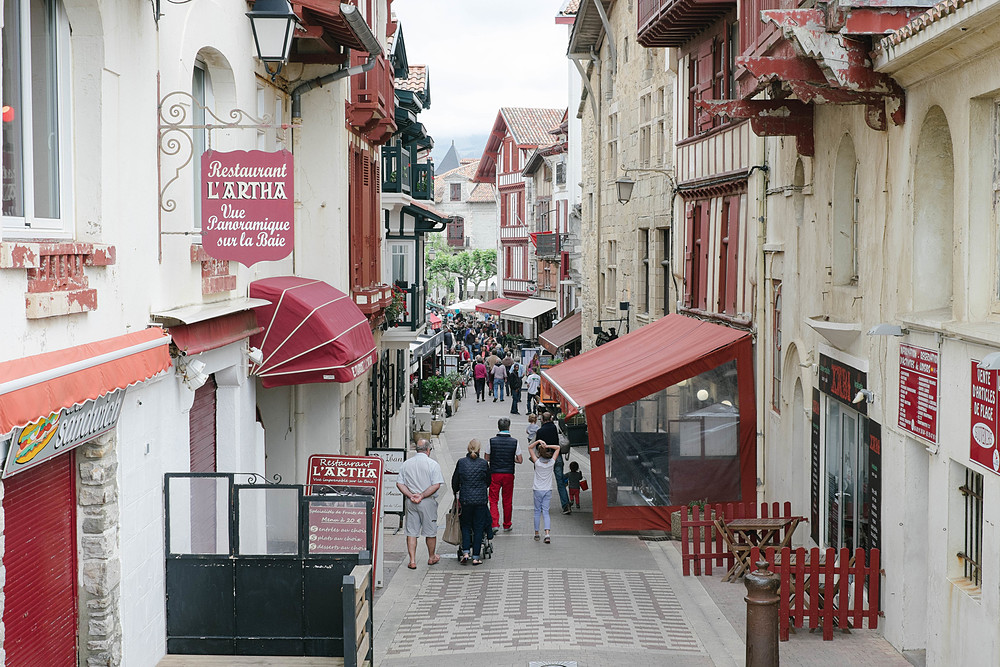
[(625, 184), (273, 24)]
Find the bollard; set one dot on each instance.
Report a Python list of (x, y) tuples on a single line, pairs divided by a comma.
[(762, 617)]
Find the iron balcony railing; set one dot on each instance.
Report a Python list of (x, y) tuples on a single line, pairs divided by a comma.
[(416, 307), (395, 169), (422, 186)]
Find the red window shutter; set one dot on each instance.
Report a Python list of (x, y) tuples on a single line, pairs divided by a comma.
[(703, 87), (689, 214), (356, 213), (564, 266), (703, 236), (733, 249), (722, 293)]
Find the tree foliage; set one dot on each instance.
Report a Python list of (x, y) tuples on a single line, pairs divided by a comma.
[(469, 266)]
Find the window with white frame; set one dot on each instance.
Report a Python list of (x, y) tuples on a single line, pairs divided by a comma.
[(644, 285), (971, 555), (37, 149), (456, 191), (610, 295), (645, 128), (612, 164), (401, 257), (201, 90)]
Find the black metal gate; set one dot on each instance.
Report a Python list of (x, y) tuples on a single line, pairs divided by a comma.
[(265, 582), (383, 400)]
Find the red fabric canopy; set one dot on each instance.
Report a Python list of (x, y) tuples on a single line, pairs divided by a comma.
[(214, 333), (36, 386), (312, 333), (496, 306), (634, 366), (637, 365), (567, 330)]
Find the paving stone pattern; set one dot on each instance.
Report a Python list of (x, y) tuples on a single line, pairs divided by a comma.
[(500, 610)]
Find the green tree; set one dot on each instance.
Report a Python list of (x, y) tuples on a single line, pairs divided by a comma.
[(469, 266)]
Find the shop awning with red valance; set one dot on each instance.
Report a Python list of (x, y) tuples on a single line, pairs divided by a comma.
[(670, 417), (497, 306), (646, 360), (569, 329), (312, 332), (36, 386)]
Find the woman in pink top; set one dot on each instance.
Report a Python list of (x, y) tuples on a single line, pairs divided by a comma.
[(479, 376)]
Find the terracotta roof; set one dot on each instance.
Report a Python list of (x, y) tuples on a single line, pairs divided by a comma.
[(531, 125), (417, 83), (921, 23), (468, 160), (571, 8), (466, 171), (483, 192)]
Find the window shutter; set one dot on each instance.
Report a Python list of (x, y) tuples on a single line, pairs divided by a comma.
[(732, 262), (705, 211), (689, 214)]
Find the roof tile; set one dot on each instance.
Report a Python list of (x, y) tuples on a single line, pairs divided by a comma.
[(531, 125), (417, 83)]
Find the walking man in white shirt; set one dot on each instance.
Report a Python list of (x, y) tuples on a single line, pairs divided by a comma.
[(419, 479), (533, 384)]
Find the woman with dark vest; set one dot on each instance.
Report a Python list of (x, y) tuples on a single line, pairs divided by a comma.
[(471, 483)]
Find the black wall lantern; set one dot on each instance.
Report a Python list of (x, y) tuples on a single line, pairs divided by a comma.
[(273, 24)]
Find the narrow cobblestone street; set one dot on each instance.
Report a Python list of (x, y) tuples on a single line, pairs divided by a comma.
[(605, 599)]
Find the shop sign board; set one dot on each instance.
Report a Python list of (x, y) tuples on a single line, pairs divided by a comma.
[(918, 391), (247, 205), (349, 475), (843, 382), (874, 491), (392, 497), (983, 440), (62, 431), (814, 463), (338, 526)]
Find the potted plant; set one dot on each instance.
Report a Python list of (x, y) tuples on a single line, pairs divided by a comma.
[(433, 391), (395, 311), (420, 431)]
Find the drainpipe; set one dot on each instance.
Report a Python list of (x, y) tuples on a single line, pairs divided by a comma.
[(762, 409), (368, 40)]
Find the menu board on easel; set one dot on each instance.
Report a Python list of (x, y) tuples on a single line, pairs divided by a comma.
[(338, 526)]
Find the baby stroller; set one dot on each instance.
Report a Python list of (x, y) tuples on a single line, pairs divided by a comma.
[(487, 550)]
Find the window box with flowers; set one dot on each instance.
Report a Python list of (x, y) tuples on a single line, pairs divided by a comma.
[(396, 312)]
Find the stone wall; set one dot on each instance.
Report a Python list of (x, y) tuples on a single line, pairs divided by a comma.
[(100, 561)]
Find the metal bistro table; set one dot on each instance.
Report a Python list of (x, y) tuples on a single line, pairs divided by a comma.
[(741, 535)]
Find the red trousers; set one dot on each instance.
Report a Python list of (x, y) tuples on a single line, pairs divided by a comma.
[(502, 482)]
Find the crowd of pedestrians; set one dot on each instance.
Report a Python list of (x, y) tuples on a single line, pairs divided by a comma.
[(483, 480)]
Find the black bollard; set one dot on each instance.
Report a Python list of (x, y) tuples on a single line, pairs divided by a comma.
[(762, 617)]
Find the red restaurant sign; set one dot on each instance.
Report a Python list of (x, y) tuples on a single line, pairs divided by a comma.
[(341, 473), (918, 391), (247, 205), (983, 445)]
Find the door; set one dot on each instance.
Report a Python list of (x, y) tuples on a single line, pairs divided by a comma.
[(843, 458)]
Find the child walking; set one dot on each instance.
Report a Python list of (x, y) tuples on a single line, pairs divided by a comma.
[(575, 477), (532, 426), (542, 455)]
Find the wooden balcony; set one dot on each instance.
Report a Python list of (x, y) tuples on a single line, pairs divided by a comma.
[(514, 233), (372, 108), (671, 23), (415, 314), (396, 169), (422, 186)]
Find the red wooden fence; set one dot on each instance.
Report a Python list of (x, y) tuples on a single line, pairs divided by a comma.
[(700, 543), (825, 588)]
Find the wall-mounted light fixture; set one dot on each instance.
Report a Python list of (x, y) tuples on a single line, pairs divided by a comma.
[(273, 24), (625, 184), (991, 362), (885, 329), (192, 373), (864, 395)]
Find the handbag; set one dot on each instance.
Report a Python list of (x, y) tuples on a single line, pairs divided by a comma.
[(583, 485), (453, 525), (563, 444)]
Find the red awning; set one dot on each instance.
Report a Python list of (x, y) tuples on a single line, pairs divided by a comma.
[(497, 306), (37, 386), (640, 363), (567, 330), (312, 333), (199, 337)]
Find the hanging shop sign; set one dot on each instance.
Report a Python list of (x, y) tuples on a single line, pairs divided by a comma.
[(872, 499), (62, 431), (918, 391), (247, 205), (814, 463), (392, 459), (983, 445), (843, 382)]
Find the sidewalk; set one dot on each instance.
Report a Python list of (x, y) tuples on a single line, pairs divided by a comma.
[(589, 599)]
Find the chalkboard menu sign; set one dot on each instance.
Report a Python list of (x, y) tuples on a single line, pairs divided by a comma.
[(872, 498), (843, 382), (338, 526), (814, 470)]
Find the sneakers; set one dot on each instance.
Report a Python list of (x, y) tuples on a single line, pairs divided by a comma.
[(494, 399), (565, 509), (508, 529), (578, 505)]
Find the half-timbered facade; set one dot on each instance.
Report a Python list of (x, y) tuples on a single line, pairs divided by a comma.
[(516, 132)]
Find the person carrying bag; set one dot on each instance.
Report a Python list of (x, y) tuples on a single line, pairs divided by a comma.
[(453, 524)]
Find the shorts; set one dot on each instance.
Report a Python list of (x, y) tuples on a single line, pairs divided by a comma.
[(421, 518)]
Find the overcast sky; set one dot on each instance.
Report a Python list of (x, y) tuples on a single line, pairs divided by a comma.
[(484, 55)]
